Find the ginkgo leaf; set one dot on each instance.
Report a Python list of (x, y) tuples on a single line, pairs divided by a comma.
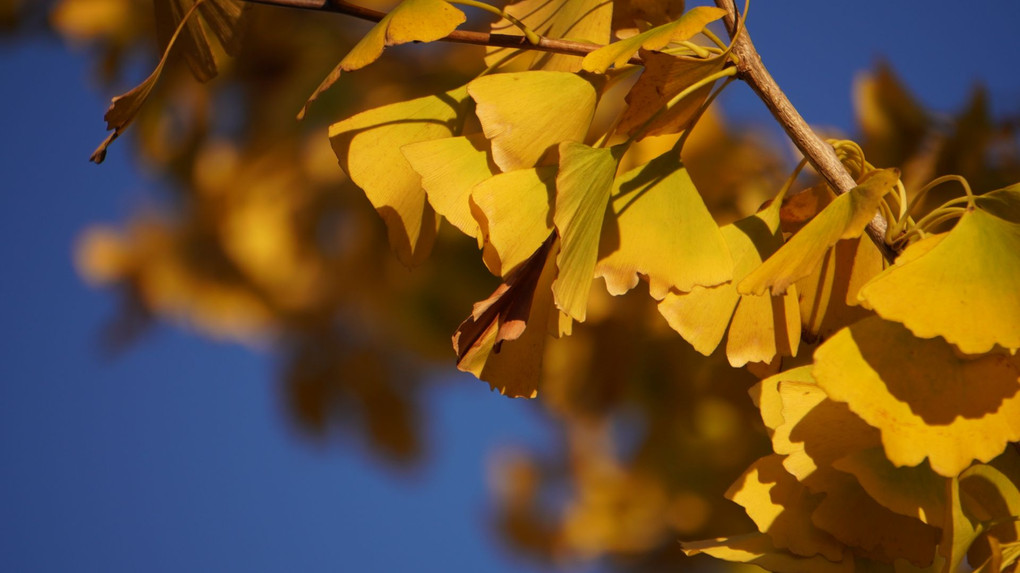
[(912, 491), (618, 53), (992, 498), (583, 186), (223, 18), (759, 326), (766, 397), (514, 213), (368, 147), (958, 532), (844, 218), (663, 78), (495, 343), (825, 293), (409, 21), (781, 507), (523, 122), (125, 107), (662, 231), (757, 548), (577, 20), (961, 285), (449, 168), (948, 409)]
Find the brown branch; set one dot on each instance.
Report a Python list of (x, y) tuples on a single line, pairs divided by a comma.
[(458, 36), (820, 154)]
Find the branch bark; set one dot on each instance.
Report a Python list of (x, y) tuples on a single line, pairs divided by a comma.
[(820, 154)]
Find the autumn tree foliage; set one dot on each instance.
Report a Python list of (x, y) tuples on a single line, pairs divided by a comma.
[(811, 373)]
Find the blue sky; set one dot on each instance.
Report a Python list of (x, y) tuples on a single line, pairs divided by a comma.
[(130, 464)]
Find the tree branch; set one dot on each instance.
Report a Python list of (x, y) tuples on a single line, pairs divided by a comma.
[(820, 154), (458, 36)]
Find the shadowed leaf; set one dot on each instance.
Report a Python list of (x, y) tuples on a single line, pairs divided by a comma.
[(757, 548)]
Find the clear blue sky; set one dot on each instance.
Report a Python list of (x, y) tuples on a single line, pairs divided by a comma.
[(131, 465)]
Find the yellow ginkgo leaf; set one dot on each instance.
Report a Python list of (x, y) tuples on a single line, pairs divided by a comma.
[(409, 21), (503, 341), (766, 397), (449, 168), (759, 326), (958, 531), (948, 409), (757, 548), (618, 53), (781, 507), (662, 231), (368, 147), (583, 186), (912, 491), (663, 78), (844, 218), (961, 285), (523, 122), (827, 302), (577, 20), (514, 213)]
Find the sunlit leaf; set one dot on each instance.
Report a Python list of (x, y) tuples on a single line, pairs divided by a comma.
[(409, 21), (844, 218), (924, 398), (521, 119), (958, 532), (368, 147), (503, 340), (766, 397), (618, 53), (514, 212), (663, 78), (583, 186), (961, 285), (449, 168), (758, 549), (759, 326), (577, 20), (781, 507), (661, 230)]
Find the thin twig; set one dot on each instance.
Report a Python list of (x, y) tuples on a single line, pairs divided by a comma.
[(820, 154), (458, 36)]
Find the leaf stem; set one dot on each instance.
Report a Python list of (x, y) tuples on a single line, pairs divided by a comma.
[(820, 154), (728, 71), (528, 32)]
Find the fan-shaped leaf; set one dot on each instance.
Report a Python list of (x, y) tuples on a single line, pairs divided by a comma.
[(578, 20), (368, 147), (924, 398), (618, 53), (514, 212), (912, 491), (521, 119), (664, 232)]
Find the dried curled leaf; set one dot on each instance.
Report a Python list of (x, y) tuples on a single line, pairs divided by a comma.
[(409, 21), (223, 17), (368, 146), (942, 407), (961, 285), (618, 53), (495, 343), (844, 218), (522, 121)]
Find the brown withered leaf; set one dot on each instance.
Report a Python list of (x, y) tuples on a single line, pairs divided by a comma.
[(664, 77), (495, 344), (223, 18)]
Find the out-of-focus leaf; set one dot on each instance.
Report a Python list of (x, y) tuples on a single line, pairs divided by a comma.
[(892, 122), (583, 185), (368, 147), (949, 409), (663, 78), (409, 21), (844, 218), (961, 285), (495, 343), (781, 507), (664, 233), (449, 168), (577, 20), (618, 53), (522, 121), (757, 548), (759, 326), (514, 212)]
